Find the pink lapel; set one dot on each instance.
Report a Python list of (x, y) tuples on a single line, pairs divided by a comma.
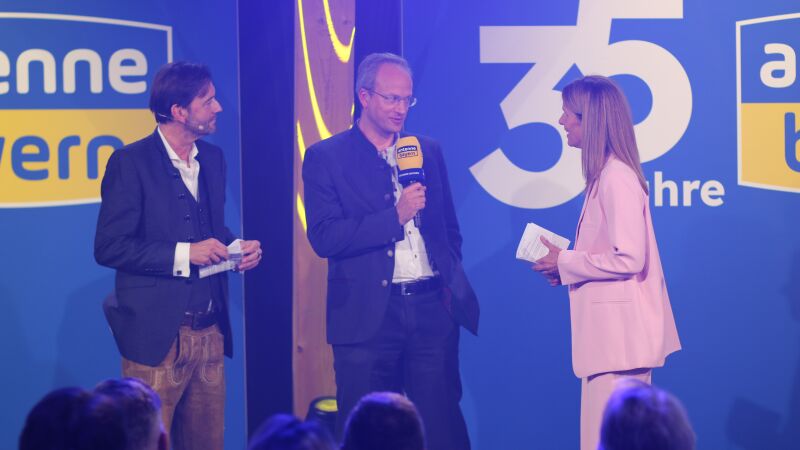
[(583, 212)]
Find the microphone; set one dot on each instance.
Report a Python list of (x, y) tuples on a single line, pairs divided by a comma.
[(408, 154), (199, 126)]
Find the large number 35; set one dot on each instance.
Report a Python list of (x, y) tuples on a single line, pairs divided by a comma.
[(553, 50)]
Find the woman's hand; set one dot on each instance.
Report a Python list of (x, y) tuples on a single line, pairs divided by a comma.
[(548, 265)]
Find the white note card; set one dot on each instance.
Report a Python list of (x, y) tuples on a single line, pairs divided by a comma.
[(234, 258), (531, 247)]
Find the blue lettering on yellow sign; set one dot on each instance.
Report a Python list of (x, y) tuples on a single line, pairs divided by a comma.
[(73, 89), (769, 102)]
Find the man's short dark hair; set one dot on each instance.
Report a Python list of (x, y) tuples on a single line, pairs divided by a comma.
[(73, 418), (101, 426), (177, 83), (51, 423), (285, 432), (639, 416), (140, 407), (384, 421)]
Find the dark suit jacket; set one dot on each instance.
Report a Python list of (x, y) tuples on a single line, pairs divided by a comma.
[(353, 222), (142, 217)]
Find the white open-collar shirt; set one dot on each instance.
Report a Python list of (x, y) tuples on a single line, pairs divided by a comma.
[(410, 256)]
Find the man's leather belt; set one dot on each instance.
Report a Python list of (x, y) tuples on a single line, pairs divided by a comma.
[(417, 287), (199, 320)]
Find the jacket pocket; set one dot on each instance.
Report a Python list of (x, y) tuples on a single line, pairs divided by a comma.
[(608, 291)]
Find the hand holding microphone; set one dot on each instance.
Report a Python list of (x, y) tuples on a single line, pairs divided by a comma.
[(412, 200), (408, 154)]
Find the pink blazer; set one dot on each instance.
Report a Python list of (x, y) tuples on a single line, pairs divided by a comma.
[(619, 309)]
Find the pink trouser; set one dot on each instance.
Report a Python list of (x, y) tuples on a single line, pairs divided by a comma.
[(595, 392)]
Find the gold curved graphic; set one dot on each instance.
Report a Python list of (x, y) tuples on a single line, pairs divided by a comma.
[(301, 143), (324, 133), (324, 105), (343, 52), (301, 146), (301, 212)]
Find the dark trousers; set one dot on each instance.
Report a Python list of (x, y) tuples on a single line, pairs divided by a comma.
[(415, 352)]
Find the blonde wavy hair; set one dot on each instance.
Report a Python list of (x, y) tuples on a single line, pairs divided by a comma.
[(606, 125)]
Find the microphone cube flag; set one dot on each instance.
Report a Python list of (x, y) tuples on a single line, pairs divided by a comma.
[(408, 154)]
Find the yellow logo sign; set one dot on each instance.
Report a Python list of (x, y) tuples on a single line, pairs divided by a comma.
[(72, 89), (769, 102)]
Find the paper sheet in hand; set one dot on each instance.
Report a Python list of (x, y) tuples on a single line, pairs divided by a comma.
[(531, 247), (234, 258)]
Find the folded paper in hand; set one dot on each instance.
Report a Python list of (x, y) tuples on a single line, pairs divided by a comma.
[(531, 247), (234, 258)]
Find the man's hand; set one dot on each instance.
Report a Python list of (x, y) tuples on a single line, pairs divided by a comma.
[(411, 200), (548, 264), (210, 251), (251, 255)]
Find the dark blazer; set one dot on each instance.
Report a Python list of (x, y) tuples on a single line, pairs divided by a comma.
[(353, 222), (143, 215)]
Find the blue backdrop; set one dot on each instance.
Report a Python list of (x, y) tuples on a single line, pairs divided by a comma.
[(52, 330), (725, 207)]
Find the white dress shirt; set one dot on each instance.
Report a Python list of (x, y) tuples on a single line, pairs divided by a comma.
[(410, 256)]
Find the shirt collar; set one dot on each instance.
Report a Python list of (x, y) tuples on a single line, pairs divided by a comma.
[(171, 153), (360, 133)]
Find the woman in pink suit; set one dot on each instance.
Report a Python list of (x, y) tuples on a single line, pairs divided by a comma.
[(622, 324)]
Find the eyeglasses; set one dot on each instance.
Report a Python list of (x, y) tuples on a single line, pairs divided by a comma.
[(394, 100)]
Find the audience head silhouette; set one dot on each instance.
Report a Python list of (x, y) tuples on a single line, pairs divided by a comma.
[(286, 432), (639, 416), (73, 418), (384, 421), (141, 411)]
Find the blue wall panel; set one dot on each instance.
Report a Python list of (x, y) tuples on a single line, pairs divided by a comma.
[(52, 330), (730, 268)]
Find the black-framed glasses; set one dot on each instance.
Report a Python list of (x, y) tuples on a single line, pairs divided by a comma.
[(395, 100)]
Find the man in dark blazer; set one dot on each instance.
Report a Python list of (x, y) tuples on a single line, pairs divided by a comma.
[(396, 293), (161, 220)]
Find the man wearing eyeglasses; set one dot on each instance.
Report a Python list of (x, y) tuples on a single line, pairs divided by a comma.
[(396, 293)]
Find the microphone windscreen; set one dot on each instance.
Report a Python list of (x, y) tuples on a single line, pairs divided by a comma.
[(408, 153)]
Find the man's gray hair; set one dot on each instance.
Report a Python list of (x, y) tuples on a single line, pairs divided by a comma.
[(368, 69)]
